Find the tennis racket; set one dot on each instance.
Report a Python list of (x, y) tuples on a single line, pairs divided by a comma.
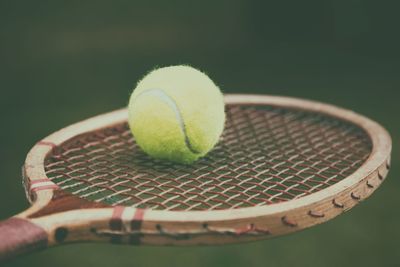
[(282, 165)]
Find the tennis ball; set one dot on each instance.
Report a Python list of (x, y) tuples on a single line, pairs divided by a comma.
[(176, 113)]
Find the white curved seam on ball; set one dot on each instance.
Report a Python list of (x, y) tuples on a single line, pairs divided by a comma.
[(172, 104)]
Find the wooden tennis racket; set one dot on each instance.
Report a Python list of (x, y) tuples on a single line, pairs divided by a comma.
[(282, 165)]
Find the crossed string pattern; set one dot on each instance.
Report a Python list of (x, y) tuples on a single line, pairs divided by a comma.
[(266, 155)]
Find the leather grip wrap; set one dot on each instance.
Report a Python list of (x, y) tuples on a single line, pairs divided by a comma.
[(19, 236)]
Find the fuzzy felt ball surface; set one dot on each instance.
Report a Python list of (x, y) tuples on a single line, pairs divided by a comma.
[(176, 113)]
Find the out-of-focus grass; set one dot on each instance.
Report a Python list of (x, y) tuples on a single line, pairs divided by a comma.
[(61, 63)]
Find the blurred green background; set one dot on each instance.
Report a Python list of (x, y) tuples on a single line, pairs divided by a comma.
[(64, 61)]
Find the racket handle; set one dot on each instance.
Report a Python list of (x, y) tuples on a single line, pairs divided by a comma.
[(19, 236)]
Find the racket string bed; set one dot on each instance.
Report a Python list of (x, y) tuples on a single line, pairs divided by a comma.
[(266, 155), (281, 165)]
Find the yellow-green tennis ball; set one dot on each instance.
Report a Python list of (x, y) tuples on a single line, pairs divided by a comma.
[(176, 113)]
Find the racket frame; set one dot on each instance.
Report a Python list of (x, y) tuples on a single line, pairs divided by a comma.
[(67, 218)]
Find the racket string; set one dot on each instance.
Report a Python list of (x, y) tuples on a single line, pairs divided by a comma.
[(266, 155)]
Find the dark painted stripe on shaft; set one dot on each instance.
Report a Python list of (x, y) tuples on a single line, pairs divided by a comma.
[(116, 223), (136, 225)]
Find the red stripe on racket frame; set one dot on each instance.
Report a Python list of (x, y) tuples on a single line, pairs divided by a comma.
[(43, 187), (136, 225), (46, 143)]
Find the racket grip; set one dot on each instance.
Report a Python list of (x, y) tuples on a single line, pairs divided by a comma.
[(19, 236)]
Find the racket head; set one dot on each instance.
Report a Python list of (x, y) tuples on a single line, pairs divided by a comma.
[(67, 217)]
